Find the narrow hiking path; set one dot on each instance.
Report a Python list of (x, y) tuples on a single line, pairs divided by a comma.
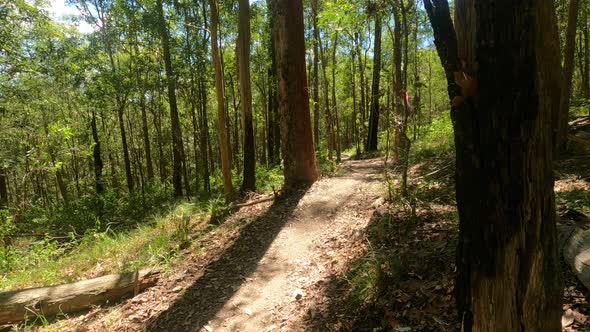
[(262, 277), (299, 257)]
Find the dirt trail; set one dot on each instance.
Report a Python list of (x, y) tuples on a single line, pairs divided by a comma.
[(259, 276), (297, 257)]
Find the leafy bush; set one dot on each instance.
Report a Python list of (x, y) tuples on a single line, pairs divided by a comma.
[(218, 209), (438, 139), (326, 166), (269, 178)]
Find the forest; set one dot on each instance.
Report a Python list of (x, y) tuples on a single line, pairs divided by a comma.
[(294, 165)]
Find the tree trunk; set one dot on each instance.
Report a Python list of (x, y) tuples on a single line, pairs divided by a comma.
[(126, 158), (355, 126), (507, 260), (177, 145), (334, 101), (586, 55), (146, 138), (401, 96), (296, 135), (326, 95), (273, 129), (97, 159), (249, 181), (204, 135), (363, 86), (316, 78), (3, 188), (144, 120), (374, 113), (223, 137), (561, 117)]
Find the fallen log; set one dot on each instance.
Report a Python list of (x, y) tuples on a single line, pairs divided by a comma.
[(256, 201), (22, 304), (574, 244), (579, 140)]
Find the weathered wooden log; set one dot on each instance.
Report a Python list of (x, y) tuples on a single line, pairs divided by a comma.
[(574, 243), (256, 201), (580, 140), (19, 305)]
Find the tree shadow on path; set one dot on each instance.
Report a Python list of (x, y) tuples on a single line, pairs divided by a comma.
[(222, 278)]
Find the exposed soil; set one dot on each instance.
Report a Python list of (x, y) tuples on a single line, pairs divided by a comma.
[(258, 270)]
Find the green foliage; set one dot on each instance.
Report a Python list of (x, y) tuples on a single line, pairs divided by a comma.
[(269, 178), (218, 208), (437, 140), (154, 243), (370, 274), (325, 164), (110, 210), (575, 198)]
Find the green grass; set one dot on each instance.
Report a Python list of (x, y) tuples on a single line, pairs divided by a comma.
[(576, 199), (153, 244)]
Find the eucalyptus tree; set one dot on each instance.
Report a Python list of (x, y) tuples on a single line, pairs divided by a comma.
[(249, 178), (296, 134), (104, 15), (177, 143), (508, 276), (221, 114), (372, 135)]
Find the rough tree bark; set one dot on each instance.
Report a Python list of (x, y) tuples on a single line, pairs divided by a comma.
[(96, 157), (296, 135), (221, 118), (371, 144), (3, 188), (125, 146), (507, 260), (249, 181)]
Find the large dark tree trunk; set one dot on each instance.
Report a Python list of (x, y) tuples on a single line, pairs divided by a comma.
[(249, 181), (3, 188), (296, 135), (507, 258), (221, 116), (204, 135), (97, 159), (561, 117), (177, 147), (371, 144), (126, 158)]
